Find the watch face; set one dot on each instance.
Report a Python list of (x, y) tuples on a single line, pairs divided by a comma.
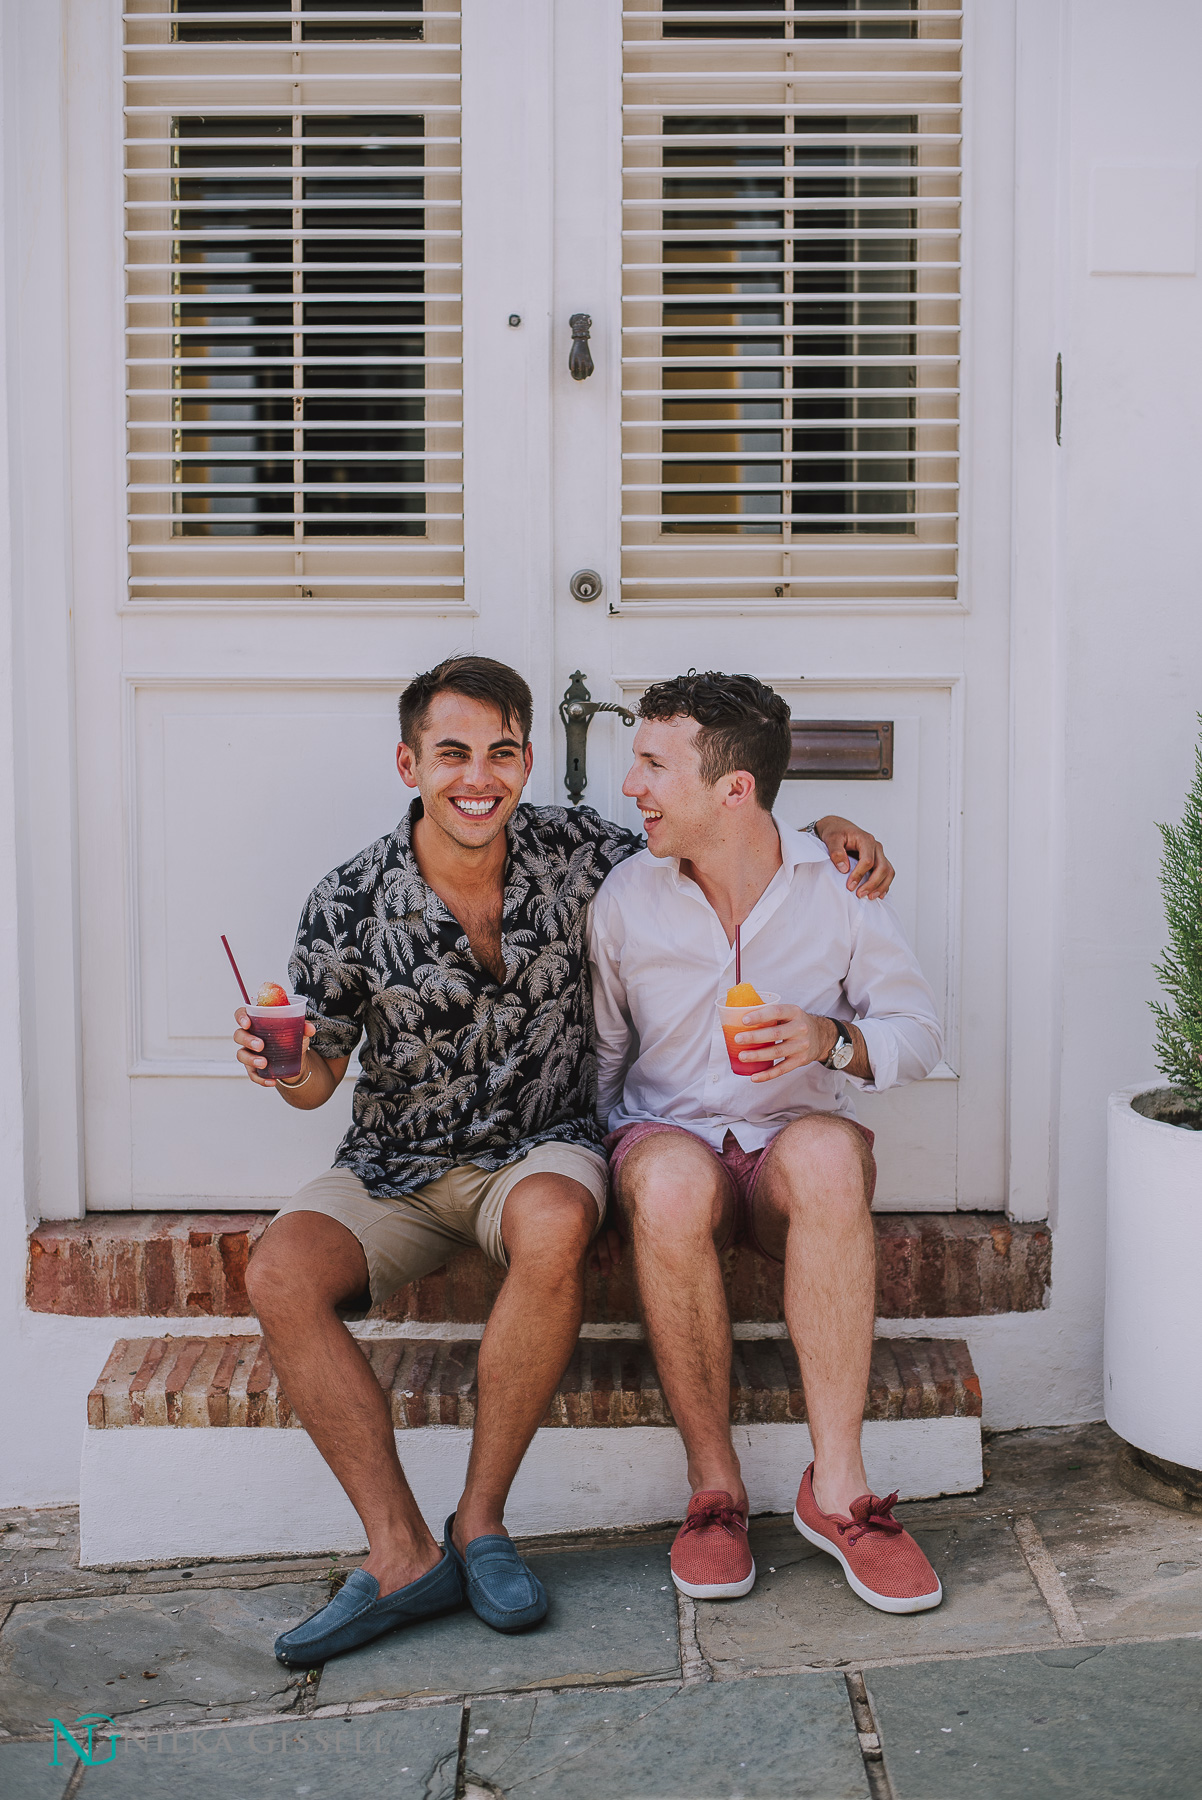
[(843, 1052)]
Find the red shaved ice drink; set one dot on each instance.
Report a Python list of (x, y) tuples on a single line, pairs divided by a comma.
[(279, 1020)]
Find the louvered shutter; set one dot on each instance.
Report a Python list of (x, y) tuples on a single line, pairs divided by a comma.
[(293, 284), (791, 186)]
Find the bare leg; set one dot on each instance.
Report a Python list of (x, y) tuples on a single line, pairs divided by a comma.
[(305, 1266), (678, 1206), (535, 1322), (811, 1207)]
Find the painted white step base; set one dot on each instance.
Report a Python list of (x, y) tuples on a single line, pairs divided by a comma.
[(156, 1495)]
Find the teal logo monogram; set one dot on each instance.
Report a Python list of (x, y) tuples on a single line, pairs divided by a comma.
[(85, 1752)]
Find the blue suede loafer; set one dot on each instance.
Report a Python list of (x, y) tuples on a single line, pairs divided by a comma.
[(501, 1589), (357, 1614)]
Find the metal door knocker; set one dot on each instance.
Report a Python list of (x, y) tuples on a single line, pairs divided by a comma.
[(576, 710), (580, 362)]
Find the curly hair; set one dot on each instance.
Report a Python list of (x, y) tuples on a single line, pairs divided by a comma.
[(742, 725)]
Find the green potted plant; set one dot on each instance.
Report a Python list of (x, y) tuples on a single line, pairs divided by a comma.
[(1153, 1334)]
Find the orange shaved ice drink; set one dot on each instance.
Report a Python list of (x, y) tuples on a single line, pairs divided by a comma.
[(279, 1020), (739, 999)]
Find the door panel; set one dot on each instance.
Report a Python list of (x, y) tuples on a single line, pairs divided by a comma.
[(778, 398), (294, 538)]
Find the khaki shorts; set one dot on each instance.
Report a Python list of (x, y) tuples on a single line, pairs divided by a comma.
[(403, 1239)]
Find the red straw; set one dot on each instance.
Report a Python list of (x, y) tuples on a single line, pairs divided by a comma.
[(234, 967), (738, 957)]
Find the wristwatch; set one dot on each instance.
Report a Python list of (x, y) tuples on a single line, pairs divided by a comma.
[(844, 1050)]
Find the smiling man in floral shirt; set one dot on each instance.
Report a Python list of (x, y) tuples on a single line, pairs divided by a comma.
[(453, 952)]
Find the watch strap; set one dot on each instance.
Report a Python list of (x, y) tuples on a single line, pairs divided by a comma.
[(844, 1037)]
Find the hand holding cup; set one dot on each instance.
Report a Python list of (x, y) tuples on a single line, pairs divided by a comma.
[(271, 1036)]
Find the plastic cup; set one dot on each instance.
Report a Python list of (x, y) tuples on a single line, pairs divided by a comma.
[(732, 1023), (282, 1029)]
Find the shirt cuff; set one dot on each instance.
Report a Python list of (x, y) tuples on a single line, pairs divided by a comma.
[(881, 1045)]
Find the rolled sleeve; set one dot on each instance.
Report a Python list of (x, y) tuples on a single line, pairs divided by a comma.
[(891, 1001)]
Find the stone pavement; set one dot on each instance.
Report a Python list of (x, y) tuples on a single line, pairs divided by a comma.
[(1066, 1660)]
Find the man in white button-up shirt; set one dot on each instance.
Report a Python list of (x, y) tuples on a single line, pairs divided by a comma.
[(701, 1155)]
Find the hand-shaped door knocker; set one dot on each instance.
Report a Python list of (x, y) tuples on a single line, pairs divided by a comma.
[(580, 362)]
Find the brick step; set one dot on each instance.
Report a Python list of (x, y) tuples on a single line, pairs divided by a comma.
[(192, 1265), (229, 1382), (151, 1489)]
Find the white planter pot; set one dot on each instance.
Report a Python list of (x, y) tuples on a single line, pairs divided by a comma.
[(1153, 1339)]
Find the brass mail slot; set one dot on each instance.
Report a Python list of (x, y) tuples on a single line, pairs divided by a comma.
[(841, 750)]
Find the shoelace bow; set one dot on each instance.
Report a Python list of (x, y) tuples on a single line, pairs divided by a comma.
[(715, 1514), (879, 1514)]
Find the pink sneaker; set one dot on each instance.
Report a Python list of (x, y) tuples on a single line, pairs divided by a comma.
[(880, 1559), (711, 1558)]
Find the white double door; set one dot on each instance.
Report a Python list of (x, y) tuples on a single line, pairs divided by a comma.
[(255, 746)]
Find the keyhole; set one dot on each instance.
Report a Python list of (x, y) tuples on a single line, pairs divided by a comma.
[(585, 584)]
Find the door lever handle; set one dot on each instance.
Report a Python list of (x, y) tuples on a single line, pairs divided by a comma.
[(577, 710), (580, 361)]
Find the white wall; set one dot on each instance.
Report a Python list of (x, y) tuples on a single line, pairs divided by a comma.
[(40, 1393), (1130, 623), (1107, 675)]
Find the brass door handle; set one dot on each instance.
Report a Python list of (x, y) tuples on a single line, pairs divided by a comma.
[(577, 710)]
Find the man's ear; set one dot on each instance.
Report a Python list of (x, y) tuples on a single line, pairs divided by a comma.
[(406, 762), (740, 788), (528, 760)]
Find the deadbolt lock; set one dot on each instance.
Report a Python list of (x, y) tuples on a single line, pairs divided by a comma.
[(585, 584)]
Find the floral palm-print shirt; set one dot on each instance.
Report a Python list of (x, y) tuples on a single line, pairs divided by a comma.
[(458, 1067)]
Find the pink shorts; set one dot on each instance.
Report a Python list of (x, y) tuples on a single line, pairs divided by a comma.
[(742, 1168)]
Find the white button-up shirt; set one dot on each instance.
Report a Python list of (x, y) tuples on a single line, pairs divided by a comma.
[(660, 960)]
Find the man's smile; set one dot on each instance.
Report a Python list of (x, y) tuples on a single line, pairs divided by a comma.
[(473, 808), (649, 814)]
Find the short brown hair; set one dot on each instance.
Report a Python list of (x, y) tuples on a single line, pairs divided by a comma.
[(743, 725), (476, 678)]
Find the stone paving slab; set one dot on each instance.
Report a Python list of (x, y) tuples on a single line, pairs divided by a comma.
[(1089, 1723), (26, 1774), (612, 1618), (1131, 1568), (802, 1612), (39, 1553), (408, 1755), (756, 1740), (39, 1556), (207, 1654)]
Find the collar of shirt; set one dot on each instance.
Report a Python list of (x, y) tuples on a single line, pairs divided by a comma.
[(795, 847)]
